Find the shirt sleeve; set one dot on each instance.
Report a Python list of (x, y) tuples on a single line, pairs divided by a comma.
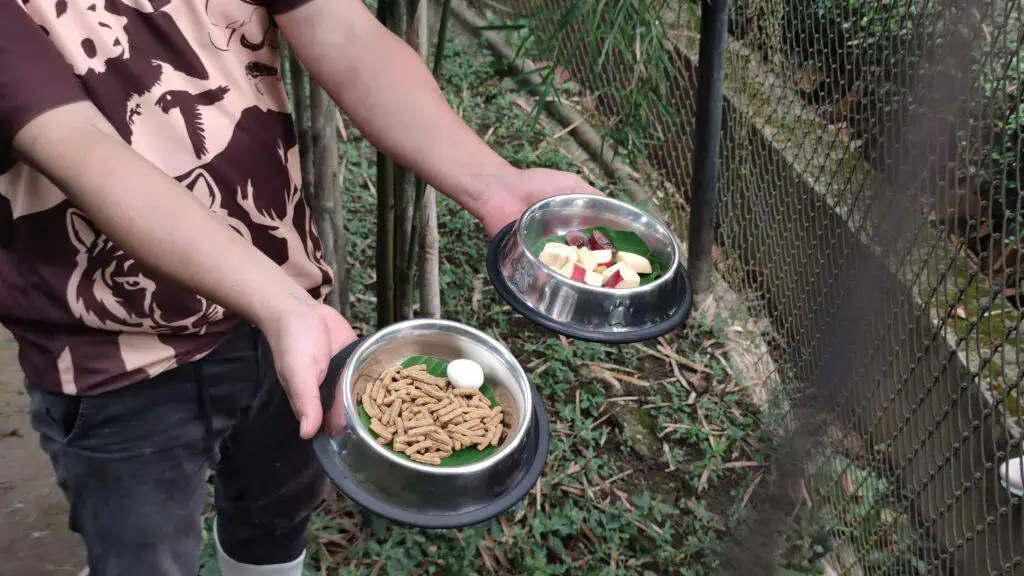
[(34, 77), (276, 7)]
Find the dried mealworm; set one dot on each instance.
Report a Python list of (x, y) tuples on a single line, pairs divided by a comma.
[(423, 430), (493, 419), (379, 427), (449, 416), (381, 386), (419, 421), (395, 409), (371, 407), (464, 391), (495, 435), (394, 396), (447, 410), (469, 424), (434, 406), (429, 379), (426, 459), (422, 445), (440, 437), (416, 368), (400, 426), (429, 390)]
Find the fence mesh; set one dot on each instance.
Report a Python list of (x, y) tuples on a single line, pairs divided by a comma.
[(839, 115)]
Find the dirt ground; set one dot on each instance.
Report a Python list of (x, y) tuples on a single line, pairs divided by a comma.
[(34, 535)]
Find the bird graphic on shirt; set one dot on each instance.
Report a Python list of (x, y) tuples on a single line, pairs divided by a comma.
[(190, 106)]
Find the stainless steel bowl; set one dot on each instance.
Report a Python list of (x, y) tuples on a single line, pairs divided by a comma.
[(576, 309), (418, 494)]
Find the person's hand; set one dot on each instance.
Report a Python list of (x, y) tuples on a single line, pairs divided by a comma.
[(303, 339), (510, 195)]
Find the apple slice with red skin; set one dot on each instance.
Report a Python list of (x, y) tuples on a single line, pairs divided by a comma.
[(573, 271), (602, 257), (621, 276)]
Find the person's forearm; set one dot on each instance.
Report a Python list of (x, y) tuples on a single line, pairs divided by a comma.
[(390, 95), (151, 216)]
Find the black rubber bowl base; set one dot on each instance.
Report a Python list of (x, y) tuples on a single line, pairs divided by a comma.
[(642, 334), (536, 440)]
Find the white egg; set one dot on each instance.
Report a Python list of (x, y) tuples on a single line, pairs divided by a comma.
[(463, 373)]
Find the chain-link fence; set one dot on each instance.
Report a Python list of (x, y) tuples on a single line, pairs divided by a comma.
[(860, 139)]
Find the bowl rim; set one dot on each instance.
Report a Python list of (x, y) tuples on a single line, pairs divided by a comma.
[(538, 436), (515, 299), (650, 287), (418, 324)]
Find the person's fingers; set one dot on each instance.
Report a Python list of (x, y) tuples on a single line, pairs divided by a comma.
[(341, 335), (305, 400)]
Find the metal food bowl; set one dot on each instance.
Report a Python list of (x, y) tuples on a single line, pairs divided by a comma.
[(421, 495), (578, 310)]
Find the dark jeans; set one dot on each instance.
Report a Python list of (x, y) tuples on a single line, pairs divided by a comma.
[(133, 464)]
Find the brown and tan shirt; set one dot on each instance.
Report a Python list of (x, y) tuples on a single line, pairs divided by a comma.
[(195, 87)]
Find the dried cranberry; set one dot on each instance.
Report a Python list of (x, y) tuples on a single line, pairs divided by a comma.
[(598, 241), (576, 239)]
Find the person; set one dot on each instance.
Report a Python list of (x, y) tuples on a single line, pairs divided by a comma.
[(160, 269)]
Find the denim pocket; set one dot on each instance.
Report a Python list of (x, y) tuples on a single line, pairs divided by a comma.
[(57, 417)]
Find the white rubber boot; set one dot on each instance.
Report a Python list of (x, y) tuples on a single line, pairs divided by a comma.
[(1012, 476), (231, 567)]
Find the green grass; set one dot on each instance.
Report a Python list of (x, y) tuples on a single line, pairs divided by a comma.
[(654, 448)]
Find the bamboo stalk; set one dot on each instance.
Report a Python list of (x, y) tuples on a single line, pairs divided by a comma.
[(403, 231), (425, 204), (385, 240), (437, 69), (340, 238), (324, 133), (430, 258), (405, 228), (385, 214)]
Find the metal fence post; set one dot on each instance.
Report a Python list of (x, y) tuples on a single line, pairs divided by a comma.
[(705, 152)]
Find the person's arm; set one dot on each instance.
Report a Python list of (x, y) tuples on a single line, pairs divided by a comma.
[(151, 216), (161, 223), (47, 122), (390, 95)]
